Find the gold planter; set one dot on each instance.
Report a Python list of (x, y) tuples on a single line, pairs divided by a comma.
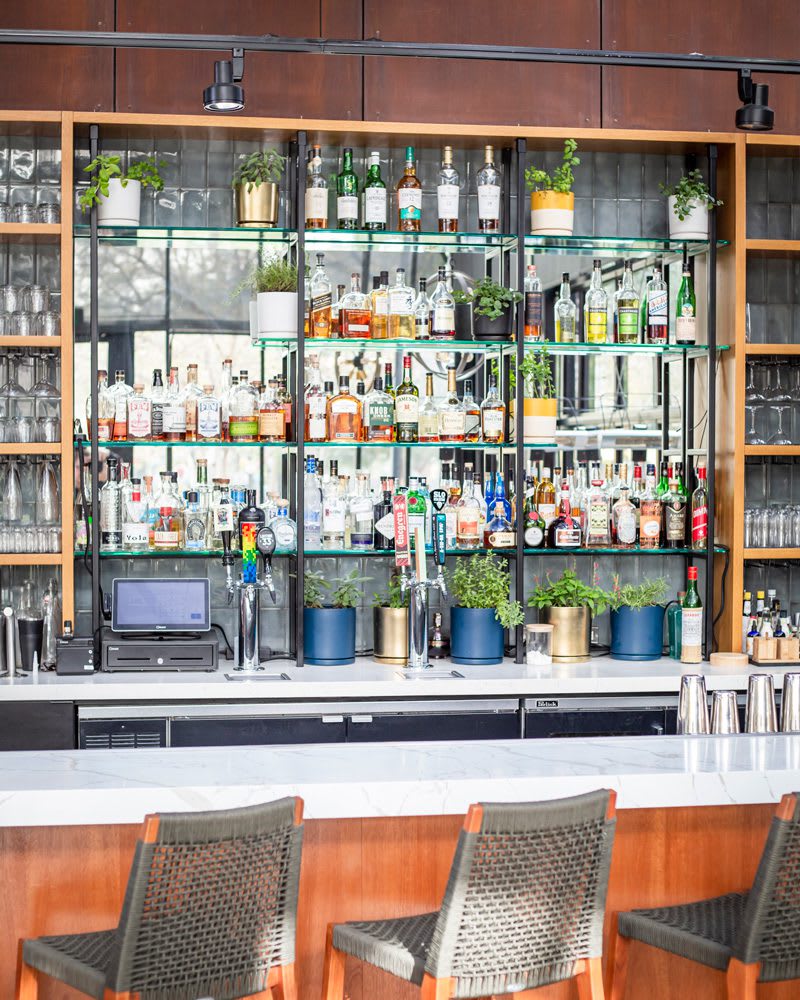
[(571, 632), (257, 206), (391, 635)]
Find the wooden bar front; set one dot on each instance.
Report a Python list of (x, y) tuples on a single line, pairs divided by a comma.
[(68, 879)]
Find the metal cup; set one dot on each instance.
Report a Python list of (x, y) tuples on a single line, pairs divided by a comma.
[(692, 706), (760, 716), (790, 704), (724, 712)]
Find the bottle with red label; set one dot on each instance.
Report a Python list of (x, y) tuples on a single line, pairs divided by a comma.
[(700, 511), (565, 531)]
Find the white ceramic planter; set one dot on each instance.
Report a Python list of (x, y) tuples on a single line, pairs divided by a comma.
[(693, 227), (277, 314), (122, 206), (552, 213)]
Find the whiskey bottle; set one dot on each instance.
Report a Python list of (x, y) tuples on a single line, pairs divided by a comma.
[(139, 414), (344, 414), (354, 311), (443, 309), (271, 418), (378, 414), (406, 407), (627, 309), (452, 414), (596, 309), (447, 192), (374, 196), (347, 193), (534, 306), (379, 304), (493, 415), (566, 314), (316, 201), (422, 313), (401, 308), (429, 414), (320, 310), (409, 197), (488, 182)]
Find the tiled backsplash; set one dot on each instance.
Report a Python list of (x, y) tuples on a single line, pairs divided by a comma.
[(773, 197)]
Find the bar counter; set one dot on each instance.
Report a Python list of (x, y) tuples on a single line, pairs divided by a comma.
[(381, 827)]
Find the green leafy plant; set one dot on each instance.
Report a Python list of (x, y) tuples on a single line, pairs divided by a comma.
[(490, 298), (105, 168), (315, 587), (266, 166), (637, 595), (690, 190), (344, 592), (392, 596), (569, 592), (347, 590), (271, 274), (562, 177), (537, 373), (483, 581)]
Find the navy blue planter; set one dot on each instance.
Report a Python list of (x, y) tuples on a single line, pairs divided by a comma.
[(476, 636), (329, 636), (637, 634)]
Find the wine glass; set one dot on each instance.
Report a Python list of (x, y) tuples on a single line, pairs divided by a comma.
[(47, 500), (753, 403), (780, 401), (12, 494)]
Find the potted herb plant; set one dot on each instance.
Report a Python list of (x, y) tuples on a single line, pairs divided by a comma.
[(492, 306), (637, 619), (118, 195), (540, 405), (569, 604), (274, 282), (390, 613), (329, 627), (256, 185), (688, 204), (552, 198), (482, 608)]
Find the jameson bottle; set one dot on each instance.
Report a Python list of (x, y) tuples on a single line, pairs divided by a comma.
[(347, 193), (406, 404), (691, 621), (374, 196)]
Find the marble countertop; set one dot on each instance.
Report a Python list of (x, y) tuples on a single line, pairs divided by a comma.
[(368, 679), (410, 779)]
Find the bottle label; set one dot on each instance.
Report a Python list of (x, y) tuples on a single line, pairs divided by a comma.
[(467, 523), (676, 521), (501, 539), (534, 536), (686, 329), (317, 427), (409, 203), (444, 319), (428, 426), (565, 329), (361, 539), (452, 423), (174, 416), (350, 325), (320, 302), (628, 323), (657, 308), (380, 304), (135, 534), (163, 539), (347, 207), (243, 427), (380, 415), (567, 538), (700, 523), (158, 419), (597, 533), (111, 539), (406, 408), (385, 526), (121, 410), (195, 531), (548, 513), (492, 423), (489, 201), (447, 201), (317, 204), (534, 309), (333, 519), (399, 301), (650, 526), (626, 527), (104, 431), (472, 425), (692, 627), (422, 327), (597, 327), (138, 418), (208, 423), (375, 205), (272, 424)]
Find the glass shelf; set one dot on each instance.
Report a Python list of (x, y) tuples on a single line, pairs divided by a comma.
[(679, 350), (168, 554), (170, 236), (617, 246), (332, 240), (311, 446), (610, 550), (389, 343), (189, 444)]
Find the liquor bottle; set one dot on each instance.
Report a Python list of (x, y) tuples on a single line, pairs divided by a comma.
[(546, 498), (499, 495), (650, 516), (226, 384), (468, 514), (534, 306), (493, 415), (190, 396), (595, 322), (378, 414), (566, 314), (624, 515), (409, 197), (196, 526), (406, 407), (347, 193), (657, 330), (627, 309), (752, 635), (111, 509), (374, 196), (121, 393), (209, 416), (106, 409), (336, 329), (443, 309), (422, 313), (157, 399), (564, 532), (139, 414), (700, 512), (498, 533), (354, 311), (429, 414), (316, 400), (417, 511), (488, 183), (438, 646), (747, 611), (692, 621), (379, 304), (674, 626), (334, 514), (533, 525), (401, 308), (361, 516), (388, 384), (312, 506), (674, 518), (472, 413), (451, 508), (686, 309), (598, 502), (135, 528), (174, 412), (452, 414), (243, 411), (663, 482), (678, 476), (447, 193), (384, 522), (316, 191), (344, 414), (320, 309), (271, 418), (284, 528)]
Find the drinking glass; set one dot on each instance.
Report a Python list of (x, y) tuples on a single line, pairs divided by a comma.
[(23, 429), (49, 212), (753, 402), (47, 429), (748, 528), (48, 324), (12, 495), (36, 298), (779, 528), (25, 212), (23, 323), (47, 501), (760, 528), (11, 295), (5, 212)]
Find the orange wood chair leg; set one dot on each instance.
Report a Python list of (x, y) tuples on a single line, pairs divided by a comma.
[(589, 980), (285, 987), (333, 981), (741, 980), (437, 989), (27, 980), (619, 973)]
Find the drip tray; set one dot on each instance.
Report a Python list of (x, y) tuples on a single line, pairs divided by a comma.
[(427, 675), (253, 676)]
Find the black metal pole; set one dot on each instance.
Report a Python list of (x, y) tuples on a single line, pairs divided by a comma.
[(300, 430), (94, 339), (712, 395), (519, 467)]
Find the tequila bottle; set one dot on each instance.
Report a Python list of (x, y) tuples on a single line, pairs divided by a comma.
[(139, 414), (284, 528), (121, 392), (196, 523)]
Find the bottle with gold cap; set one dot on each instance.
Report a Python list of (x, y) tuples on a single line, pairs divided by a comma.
[(488, 182), (447, 193)]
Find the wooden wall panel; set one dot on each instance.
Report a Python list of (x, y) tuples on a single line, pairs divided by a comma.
[(482, 92), (668, 99), (276, 84), (33, 77)]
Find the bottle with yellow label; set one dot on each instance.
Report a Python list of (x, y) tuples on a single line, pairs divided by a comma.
[(596, 309)]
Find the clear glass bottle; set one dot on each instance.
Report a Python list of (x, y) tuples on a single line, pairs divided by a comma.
[(284, 528), (472, 413), (627, 309), (379, 305), (493, 415), (166, 516), (140, 409), (488, 182), (192, 394), (401, 308), (271, 417), (174, 412), (196, 525), (374, 196), (111, 509), (443, 309), (320, 309), (361, 516), (650, 516), (657, 330), (596, 308), (243, 411), (452, 413), (334, 515), (225, 386), (121, 392), (422, 312), (336, 329), (355, 314), (316, 404), (106, 409), (598, 509), (312, 507), (468, 515), (316, 200), (409, 196), (344, 414), (347, 193), (209, 416), (447, 193), (378, 414), (534, 306), (406, 407), (429, 413), (624, 515), (566, 314)]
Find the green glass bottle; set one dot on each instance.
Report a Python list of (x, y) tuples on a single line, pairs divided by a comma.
[(662, 489), (347, 193), (374, 196), (686, 309), (691, 621), (406, 405)]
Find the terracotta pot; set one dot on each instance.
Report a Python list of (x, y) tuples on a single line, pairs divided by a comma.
[(552, 213), (391, 634), (539, 419), (257, 206), (571, 633)]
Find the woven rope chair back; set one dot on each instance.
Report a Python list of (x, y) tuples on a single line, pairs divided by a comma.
[(526, 896), (211, 904), (770, 931)]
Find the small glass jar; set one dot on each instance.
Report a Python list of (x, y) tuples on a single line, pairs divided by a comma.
[(25, 212), (539, 645), (49, 212)]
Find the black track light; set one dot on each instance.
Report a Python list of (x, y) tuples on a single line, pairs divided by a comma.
[(755, 115), (225, 93)]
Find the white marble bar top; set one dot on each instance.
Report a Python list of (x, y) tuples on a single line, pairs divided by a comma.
[(368, 679), (410, 779)]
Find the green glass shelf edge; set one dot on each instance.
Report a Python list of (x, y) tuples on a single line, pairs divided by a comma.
[(584, 348), (188, 444), (391, 241), (610, 551), (616, 246), (458, 445), (186, 234), (309, 445), (399, 344)]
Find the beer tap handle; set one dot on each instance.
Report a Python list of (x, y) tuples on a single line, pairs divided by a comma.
[(223, 524), (439, 550), (266, 543)]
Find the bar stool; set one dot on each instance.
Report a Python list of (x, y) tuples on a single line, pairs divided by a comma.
[(751, 936), (210, 911), (523, 907)]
